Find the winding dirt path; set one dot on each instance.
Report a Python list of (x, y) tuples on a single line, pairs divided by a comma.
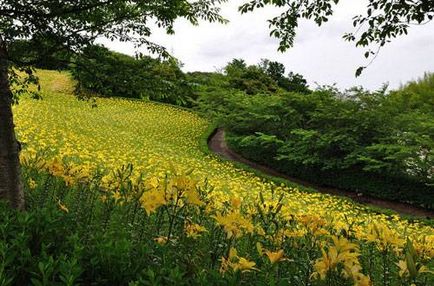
[(217, 144)]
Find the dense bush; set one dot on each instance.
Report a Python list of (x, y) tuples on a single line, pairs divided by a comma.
[(398, 188), (369, 142), (266, 78), (250, 79), (416, 95), (98, 70), (208, 79), (204, 83), (294, 82)]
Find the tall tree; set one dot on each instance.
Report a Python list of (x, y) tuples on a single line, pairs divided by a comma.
[(235, 67), (295, 82), (70, 26)]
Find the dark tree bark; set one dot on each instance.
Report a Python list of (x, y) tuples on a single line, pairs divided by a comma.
[(11, 188)]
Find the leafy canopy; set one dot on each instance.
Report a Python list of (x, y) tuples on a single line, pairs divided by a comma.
[(382, 21), (264, 78), (71, 24), (76, 23)]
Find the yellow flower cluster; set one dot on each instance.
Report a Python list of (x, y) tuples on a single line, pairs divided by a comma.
[(194, 230), (178, 191), (273, 256), (234, 224), (71, 139), (383, 237), (151, 200), (344, 253), (236, 263)]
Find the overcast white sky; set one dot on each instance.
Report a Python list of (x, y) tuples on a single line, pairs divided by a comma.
[(319, 53)]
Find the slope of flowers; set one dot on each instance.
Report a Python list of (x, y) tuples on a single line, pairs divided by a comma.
[(74, 139)]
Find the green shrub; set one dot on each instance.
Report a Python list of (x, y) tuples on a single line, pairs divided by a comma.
[(249, 79), (103, 72), (294, 82), (416, 95), (364, 137)]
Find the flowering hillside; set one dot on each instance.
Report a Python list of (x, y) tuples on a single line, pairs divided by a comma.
[(149, 154)]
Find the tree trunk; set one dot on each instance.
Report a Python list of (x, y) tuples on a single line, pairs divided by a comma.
[(11, 187)]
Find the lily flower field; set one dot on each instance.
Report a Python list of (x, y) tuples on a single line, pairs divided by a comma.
[(191, 216)]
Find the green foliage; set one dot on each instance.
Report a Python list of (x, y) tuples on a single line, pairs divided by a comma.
[(250, 79), (108, 242), (373, 141), (376, 143), (211, 90), (103, 72), (294, 82), (382, 21), (73, 25), (403, 189), (39, 53), (235, 68), (207, 80), (275, 70), (266, 78), (69, 236), (83, 234), (205, 84), (46, 34), (416, 95)]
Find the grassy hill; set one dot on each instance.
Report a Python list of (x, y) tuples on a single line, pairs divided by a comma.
[(78, 142)]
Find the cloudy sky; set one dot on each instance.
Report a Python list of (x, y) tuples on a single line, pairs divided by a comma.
[(319, 53)]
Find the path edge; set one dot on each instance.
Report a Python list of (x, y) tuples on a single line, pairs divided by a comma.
[(205, 147)]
